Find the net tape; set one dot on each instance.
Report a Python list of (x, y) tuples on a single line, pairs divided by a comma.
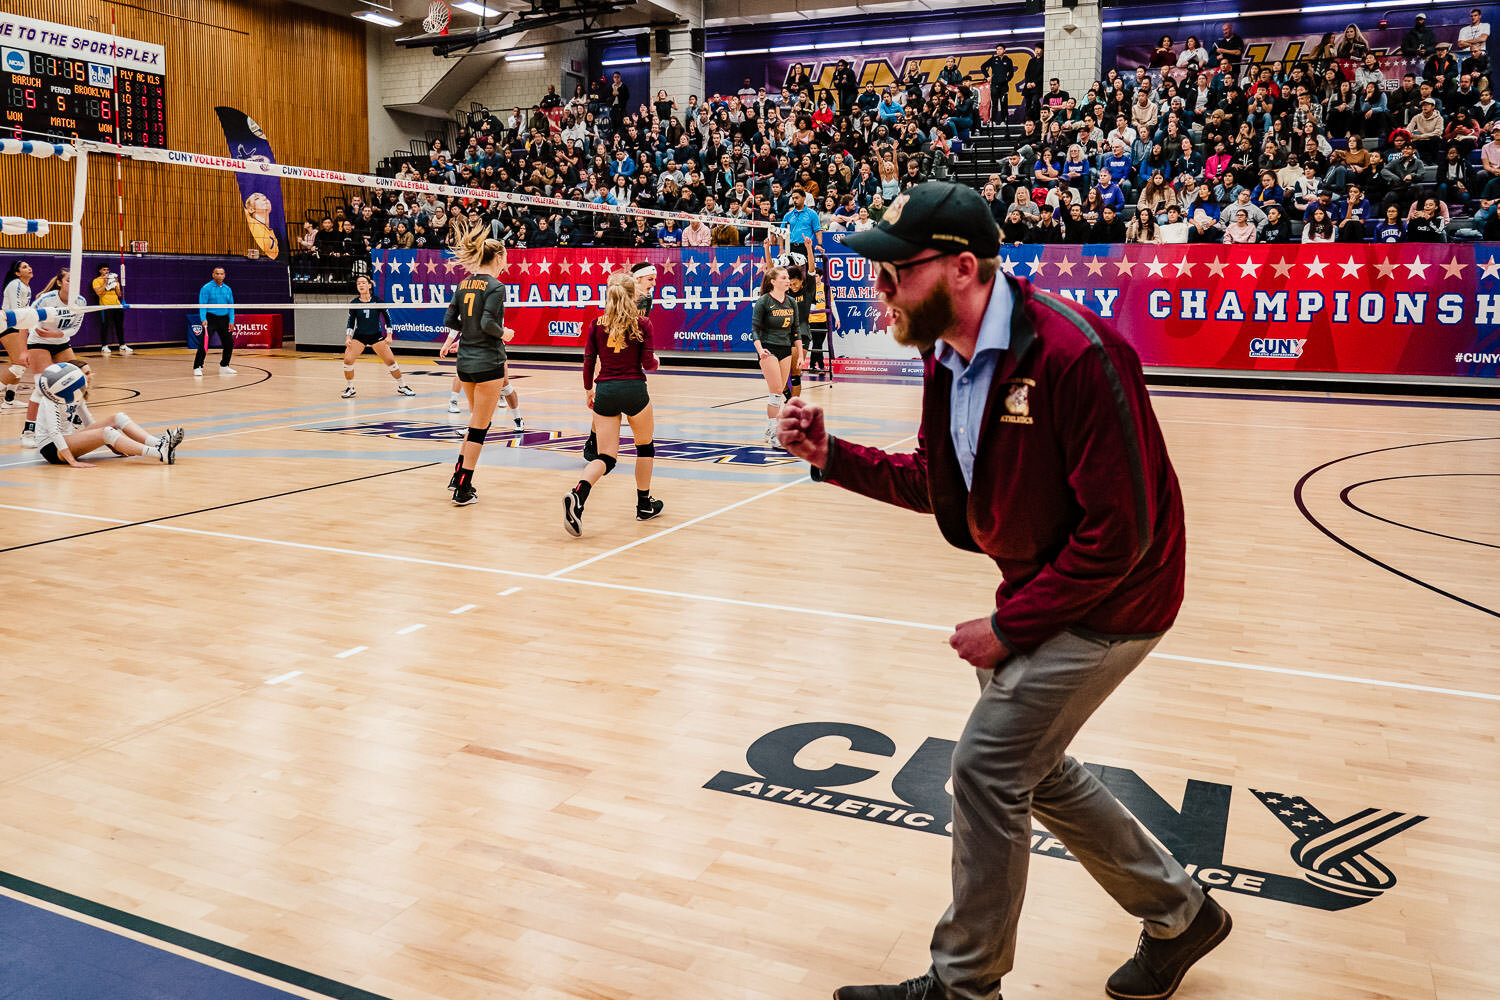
[(287, 171)]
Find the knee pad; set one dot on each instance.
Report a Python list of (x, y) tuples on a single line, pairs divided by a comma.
[(647, 450), (775, 399), (122, 421), (19, 371), (393, 367), (509, 392), (795, 382), (609, 463), (348, 369), (477, 434), (111, 436)]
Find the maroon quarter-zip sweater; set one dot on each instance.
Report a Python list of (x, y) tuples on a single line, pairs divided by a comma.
[(1074, 496)]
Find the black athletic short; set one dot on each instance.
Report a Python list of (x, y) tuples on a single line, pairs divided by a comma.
[(622, 396), (49, 452), (53, 349), (493, 375), (369, 339), (778, 351)]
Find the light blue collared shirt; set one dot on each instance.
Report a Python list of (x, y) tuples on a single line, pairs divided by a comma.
[(971, 382)]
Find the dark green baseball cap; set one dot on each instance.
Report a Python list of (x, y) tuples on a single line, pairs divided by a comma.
[(936, 215)]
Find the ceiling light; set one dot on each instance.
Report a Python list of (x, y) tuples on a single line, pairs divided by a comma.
[(525, 56), (374, 18), (477, 8)]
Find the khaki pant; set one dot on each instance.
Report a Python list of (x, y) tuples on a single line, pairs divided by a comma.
[(1010, 765)]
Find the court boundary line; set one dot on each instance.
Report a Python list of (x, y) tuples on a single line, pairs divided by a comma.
[(119, 525), (740, 602), (557, 574), (198, 945)]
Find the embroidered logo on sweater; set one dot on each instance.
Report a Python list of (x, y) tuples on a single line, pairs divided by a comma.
[(1018, 402)]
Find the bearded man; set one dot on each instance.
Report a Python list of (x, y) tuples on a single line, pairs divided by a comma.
[(1039, 448)]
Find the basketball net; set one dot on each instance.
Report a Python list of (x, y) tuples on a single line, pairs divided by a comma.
[(438, 16)]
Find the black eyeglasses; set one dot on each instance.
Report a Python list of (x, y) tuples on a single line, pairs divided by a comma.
[(892, 271)]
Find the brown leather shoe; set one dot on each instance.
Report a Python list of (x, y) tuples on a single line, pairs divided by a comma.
[(1160, 963)]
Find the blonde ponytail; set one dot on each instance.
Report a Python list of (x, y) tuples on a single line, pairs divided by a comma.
[(473, 249), (621, 318)]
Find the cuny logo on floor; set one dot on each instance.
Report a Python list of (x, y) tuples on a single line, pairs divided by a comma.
[(1335, 869)]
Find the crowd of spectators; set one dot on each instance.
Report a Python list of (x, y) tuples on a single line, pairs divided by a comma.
[(1200, 145)]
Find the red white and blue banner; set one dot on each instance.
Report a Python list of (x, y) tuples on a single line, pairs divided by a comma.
[(1360, 308), (1404, 309), (702, 299)]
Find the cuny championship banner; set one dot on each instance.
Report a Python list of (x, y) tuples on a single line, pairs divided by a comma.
[(1404, 309), (702, 299)]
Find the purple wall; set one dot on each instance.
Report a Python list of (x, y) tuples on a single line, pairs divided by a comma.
[(827, 42), (164, 278)]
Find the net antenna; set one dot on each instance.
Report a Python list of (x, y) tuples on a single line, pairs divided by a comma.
[(438, 16)]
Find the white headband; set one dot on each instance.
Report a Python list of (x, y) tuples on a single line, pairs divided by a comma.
[(642, 269)]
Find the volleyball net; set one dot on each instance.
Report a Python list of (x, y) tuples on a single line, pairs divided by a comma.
[(702, 293)]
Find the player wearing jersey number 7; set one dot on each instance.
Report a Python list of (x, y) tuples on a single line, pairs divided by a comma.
[(476, 315)]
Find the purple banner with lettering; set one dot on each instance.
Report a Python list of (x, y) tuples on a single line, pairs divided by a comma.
[(260, 196)]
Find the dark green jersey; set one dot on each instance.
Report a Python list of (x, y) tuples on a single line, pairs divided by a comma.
[(774, 322), (804, 301), (478, 313)]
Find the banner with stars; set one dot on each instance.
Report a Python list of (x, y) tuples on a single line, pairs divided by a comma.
[(1397, 309), (702, 300)]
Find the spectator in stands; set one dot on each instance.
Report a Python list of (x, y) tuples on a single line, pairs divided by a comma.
[(1156, 195), (1442, 64), (1455, 178), (1373, 111), (1276, 229), (1474, 38), (1229, 46), (1193, 57), (1419, 42), (1353, 45), (1143, 228), (1175, 228), (1241, 230), (1242, 203), (1403, 170), (1425, 223), (1319, 228), (1355, 216), (1427, 129)]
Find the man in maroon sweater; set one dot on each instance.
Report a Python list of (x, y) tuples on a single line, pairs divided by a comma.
[(1037, 447)]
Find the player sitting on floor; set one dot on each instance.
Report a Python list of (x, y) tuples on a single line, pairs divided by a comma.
[(66, 430)]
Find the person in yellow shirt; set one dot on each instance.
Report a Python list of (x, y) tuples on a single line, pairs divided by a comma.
[(108, 287)]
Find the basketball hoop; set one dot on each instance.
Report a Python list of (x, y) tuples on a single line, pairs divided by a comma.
[(438, 16)]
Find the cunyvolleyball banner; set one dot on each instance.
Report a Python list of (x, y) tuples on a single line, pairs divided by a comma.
[(702, 300), (261, 194)]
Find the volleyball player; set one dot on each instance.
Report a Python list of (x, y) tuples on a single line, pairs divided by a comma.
[(16, 296), (644, 274), (773, 325), (619, 344), (66, 430), (369, 327), (477, 315), (802, 292), (50, 342)]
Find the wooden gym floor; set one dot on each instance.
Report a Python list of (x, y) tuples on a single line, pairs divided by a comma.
[(282, 703)]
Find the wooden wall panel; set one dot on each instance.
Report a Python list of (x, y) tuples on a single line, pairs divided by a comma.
[(296, 70)]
